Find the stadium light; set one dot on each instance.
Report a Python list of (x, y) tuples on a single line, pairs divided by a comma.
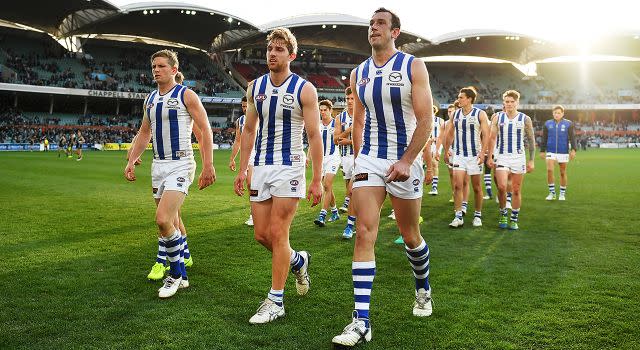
[(324, 26), (419, 39), (335, 26), (343, 77), (193, 12), (144, 12), (463, 39), (230, 20), (477, 38)]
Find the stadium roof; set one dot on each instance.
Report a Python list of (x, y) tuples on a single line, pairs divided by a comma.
[(200, 27)]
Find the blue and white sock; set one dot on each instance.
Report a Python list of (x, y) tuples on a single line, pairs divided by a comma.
[(277, 296), (346, 202), (174, 247), (183, 269), (464, 206), (351, 221), (514, 214), (487, 184), (162, 252), (477, 214), (563, 190), (434, 183), (459, 214), (323, 213), (363, 273), (296, 261), (187, 254), (334, 210), (508, 196), (504, 212), (419, 260), (552, 189)]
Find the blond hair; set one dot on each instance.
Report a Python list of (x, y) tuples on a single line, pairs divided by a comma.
[(171, 56), (286, 36), (511, 93)]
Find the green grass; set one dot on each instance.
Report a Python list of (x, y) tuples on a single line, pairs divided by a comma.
[(78, 241)]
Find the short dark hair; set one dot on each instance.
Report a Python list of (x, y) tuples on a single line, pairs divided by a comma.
[(326, 103), (348, 91), (470, 92), (244, 99), (558, 107), (395, 20)]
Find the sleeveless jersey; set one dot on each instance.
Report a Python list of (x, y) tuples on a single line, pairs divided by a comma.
[(241, 120), (510, 134), (346, 122), (279, 134), (171, 124), (435, 131), (467, 133), (326, 131), (385, 93)]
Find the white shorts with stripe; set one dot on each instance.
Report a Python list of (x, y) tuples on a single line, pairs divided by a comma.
[(172, 175), (277, 181), (370, 172)]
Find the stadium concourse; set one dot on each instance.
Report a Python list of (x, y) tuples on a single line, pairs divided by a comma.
[(84, 68)]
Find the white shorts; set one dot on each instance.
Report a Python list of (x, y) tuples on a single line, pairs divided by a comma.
[(278, 181), (468, 164), (370, 172), (347, 166), (330, 164), (558, 157), (172, 175), (514, 164)]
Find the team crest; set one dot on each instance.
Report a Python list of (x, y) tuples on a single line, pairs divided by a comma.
[(416, 182), (172, 102), (261, 97), (287, 99), (363, 81)]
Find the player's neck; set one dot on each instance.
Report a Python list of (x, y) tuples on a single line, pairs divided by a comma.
[(350, 112), (512, 114), (466, 110), (278, 77), (163, 88), (380, 57), (326, 120)]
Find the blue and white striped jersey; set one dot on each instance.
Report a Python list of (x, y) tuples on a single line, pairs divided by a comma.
[(510, 139), (171, 124), (467, 133), (326, 131), (241, 120), (346, 122), (435, 131), (280, 124), (385, 93)]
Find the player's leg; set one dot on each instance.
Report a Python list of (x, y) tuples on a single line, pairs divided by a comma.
[(166, 213), (450, 169), (459, 178), (551, 163), (328, 182), (158, 268), (465, 194), (516, 201), (476, 183), (417, 251), (502, 177), (249, 221), (563, 180), (487, 181), (322, 216), (188, 260), (349, 230)]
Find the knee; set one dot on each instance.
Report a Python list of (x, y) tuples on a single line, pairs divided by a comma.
[(261, 237), (164, 222), (502, 187)]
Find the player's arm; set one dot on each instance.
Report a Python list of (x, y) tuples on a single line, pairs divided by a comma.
[(531, 142), (140, 142), (247, 138), (337, 131), (200, 120), (358, 117), (235, 148), (484, 140), (440, 141), (572, 140), (311, 116), (492, 139), (447, 137), (543, 142)]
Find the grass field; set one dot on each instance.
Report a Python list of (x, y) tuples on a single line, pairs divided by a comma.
[(78, 241)]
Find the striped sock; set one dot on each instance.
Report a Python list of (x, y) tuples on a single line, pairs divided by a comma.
[(187, 254), (514, 214), (334, 210), (296, 261), (174, 246), (459, 214), (346, 202), (487, 184), (508, 196), (504, 212), (464, 206), (434, 183), (183, 269), (419, 260), (552, 188), (323, 213), (277, 296), (477, 214), (351, 221), (563, 190), (363, 273), (162, 252)]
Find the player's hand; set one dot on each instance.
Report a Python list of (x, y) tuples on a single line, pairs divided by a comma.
[(446, 158), (437, 157), (428, 176), (530, 166), (138, 161), (572, 154), (481, 158), (232, 164), (238, 183), (398, 172), (207, 177), (306, 163), (490, 163), (544, 155), (130, 172), (315, 193)]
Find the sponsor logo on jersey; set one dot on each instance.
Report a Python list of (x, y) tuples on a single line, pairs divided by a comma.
[(379, 71), (361, 177), (287, 99), (395, 77), (293, 182), (150, 105), (363, 81), (275, 91), (416, 182), (181, 154), (172, 103), (295, 158), (261, 97), (253, 193), (155, 190), (180, 179)]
